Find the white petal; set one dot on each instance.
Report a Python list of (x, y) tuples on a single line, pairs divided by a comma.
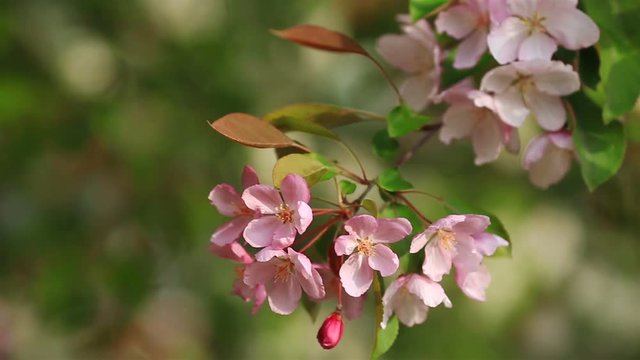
[(557, 79), (551, 168), (537, 46), (487, 140), (499, 79), (524, 8), (418, 91), (470, 50), (458, 122), (504, 41), (511, 108), (548, 110), (458, 21), (572, 28)]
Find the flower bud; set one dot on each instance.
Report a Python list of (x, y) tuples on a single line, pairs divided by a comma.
[(330, 332)]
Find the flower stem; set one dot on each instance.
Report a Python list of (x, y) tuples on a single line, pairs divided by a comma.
[(428, 132), (414, 209), (323, 230)]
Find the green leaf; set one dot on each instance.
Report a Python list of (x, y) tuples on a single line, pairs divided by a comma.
[(384, 337), (496, 227), (294, 117), (384, 146), (391, 180), (304, 165), (623, 85), (402, 120), (347, 187), (331, 169), (600, 147), (420, 8), (370, 206)]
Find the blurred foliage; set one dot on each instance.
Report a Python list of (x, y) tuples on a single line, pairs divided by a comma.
[(107, 159)]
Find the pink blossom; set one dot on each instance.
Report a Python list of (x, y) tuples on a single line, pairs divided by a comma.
[(548, 158), (284, 213), (330, 332), (468, 21), (352, 306), (229, 203), (233, 251), (284, 276), (472, 114), (410, 297), (365, 243), (536, 28), (461, 241), (256, 293), (417, 54), (531, 88)]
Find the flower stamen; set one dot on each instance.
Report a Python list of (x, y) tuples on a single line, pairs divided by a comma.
[(284, 214)]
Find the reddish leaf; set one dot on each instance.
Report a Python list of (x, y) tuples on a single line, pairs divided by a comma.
[(250, 131), (320, 38)]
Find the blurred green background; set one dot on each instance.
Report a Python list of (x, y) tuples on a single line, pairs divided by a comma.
[(107, 159)]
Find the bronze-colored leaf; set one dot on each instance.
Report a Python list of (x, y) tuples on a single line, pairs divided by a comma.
[(321, 38), (250, 131)]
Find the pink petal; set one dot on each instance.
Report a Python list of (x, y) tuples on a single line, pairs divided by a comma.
[(283, 236), (551, 168), (562, 140), (361, 225), (249, 177), (504, 41), (537, 46), (311, 282), (557, 79), (402, 51), (420, 240), (302, 217), (534, 151), (230, 231), (260, 297), (430, 292), (345, 244), (458, 21), (225, 198), (457, 93), (548, 109), (268, 253), (422, 33), (419, 90), (384, 260), (524, 8), (458, 122), (259, 273), (487, 243), (471, 224), (436, 262), (486, 140), (391, 230), (233, 251), (388, 298), (473, 284), (498, 11), (263, 198), (511, 108), (356, 275), (294, 189), (259, 232), (284, 296), (499, 79), (410, 310), (471, 49), (572, 28)]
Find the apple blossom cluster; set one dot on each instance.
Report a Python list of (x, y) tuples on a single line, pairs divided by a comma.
[(265, 237), (528, 84)]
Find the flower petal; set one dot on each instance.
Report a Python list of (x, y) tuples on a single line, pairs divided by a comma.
[(410, 310), (284, 296), (266, 254), (225, 198), (471, 224), (458, 122), (420, 240), (471, 49), (233, 251), (259, 232), (550, 168), (499, 79), (283, 236), (436, 262), (345, 244), (356, 275), (511, 108), (572, 28), (262, 198), (384, 260), (557, 79), (302, 217), (391, 230), (537, 46), (259, 273), (361, 225), (249, 177), (548, 109), (430, 292), (474, 283), (457, 21), (487, 243), (294, 189), (402, 51), (387, 299), (504, 41), (487, 140), (419, 90), (230, 231)]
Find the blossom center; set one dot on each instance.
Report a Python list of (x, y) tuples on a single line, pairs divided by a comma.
[(535, 23), (283, 271), (365, 246), (284, 214), (447, 239)]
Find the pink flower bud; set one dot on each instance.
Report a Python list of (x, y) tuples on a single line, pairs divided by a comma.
[(330, 332)]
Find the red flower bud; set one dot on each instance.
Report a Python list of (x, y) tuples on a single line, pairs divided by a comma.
[(330, 332)]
